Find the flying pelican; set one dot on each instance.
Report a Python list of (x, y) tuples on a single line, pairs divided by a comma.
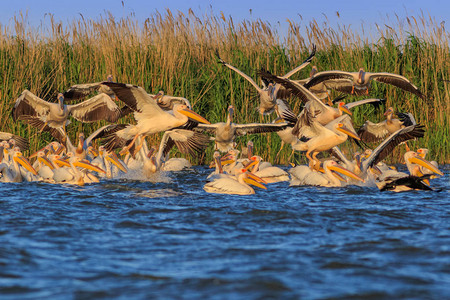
[(149, 116), (302, 175), (239, 185), (226, 132), (267, 94), (387, 146), (79, 91), (323, 113), (322, 138), (20, 142), (53, 117), (360, 82), (374, 132)]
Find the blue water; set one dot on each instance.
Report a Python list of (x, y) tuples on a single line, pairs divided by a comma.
[(124, 239)]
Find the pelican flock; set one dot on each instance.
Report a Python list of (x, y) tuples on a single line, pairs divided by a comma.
[(317, 131)]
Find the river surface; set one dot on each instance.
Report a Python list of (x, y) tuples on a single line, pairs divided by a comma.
[(123, 239)]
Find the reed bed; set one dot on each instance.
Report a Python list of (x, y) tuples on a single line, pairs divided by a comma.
[(175, 53)]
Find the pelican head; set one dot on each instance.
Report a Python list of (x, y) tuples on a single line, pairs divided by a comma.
[(230, 113), (151, 151), (389, 111), (158, 96), (342, 128), (313, 71), (334, 166), (361, 74), (184, 110), (367, 153), (81, 137), (12, 143), (422, 152), (249, 149), (342, 107), (44, 160), (412, 157), (61, 100), (91, 150), (24, 162), (251, 178)]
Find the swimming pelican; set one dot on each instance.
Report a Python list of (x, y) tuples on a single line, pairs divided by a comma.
[(374, 132), (53, 117), (267, 94), (225, 133), (360, 82), (149, 116), (236, 185), (415, 180), (302, 175), (13, 172), (270, 174)]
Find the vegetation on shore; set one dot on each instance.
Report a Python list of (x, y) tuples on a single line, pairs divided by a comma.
[(175, 53)]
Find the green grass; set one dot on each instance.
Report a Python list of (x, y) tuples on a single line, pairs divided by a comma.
[(175, 53)]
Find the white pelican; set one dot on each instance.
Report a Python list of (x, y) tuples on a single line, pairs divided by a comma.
[(416, 179), (44, 167), (106, 161), (387, 146), (322, 112), (359, 82), (423, 153), (269, 174), (71, 175), (12, 172), (267, 94), (149, 116), (78, 91), (53, 117), (324, 138), (226, 132), (236, 185), (302, 175), (374, 132)]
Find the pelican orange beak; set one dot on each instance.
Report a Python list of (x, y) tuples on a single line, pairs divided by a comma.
[(227, 162), (425, 163), (88, 165), (115, 161), (60, 149), (345, 172), (24, 162), (348, 132), (61, 162), (336, 174), (255, 180), (251, 164), (194, 116), (44, 160), (345, 109), (35, 153), (92, 151)]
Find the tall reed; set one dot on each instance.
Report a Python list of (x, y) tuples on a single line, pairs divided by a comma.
[(175, 53)]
